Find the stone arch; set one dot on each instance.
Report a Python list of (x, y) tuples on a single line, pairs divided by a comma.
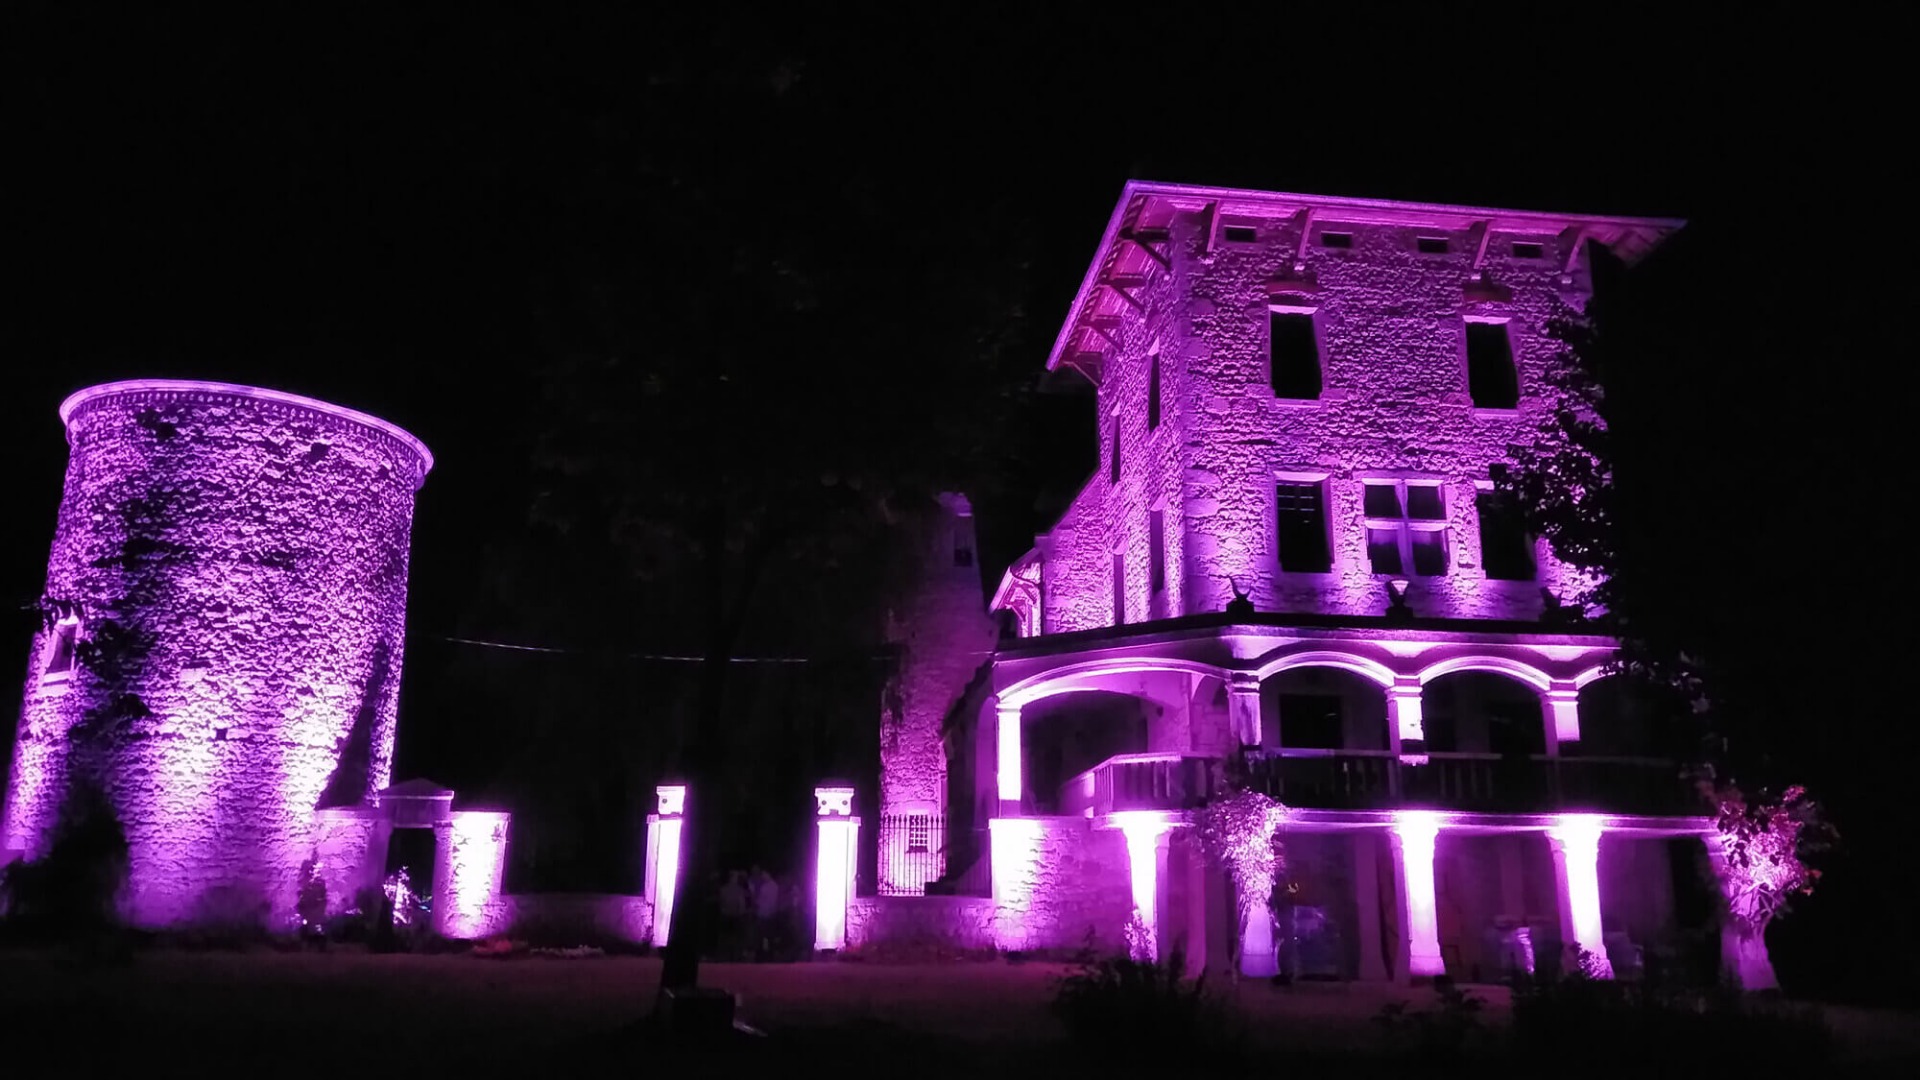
[(1088, 675), (1591, 675), (1358, 664), (1517, 670), (1323, 707), (1483, 709), (1615, 721), (1069, 733)]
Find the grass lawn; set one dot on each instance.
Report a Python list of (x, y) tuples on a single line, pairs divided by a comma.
[(348, 1011)]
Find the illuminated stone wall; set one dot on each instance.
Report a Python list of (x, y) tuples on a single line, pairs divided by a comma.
[(1391, 322), (944, 635), (576, 918), (350, 849), (929, 923), (1055, 879), (469, 870), (240, 560)]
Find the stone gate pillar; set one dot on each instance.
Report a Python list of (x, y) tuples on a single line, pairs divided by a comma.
[(663, 858), (835, 859)]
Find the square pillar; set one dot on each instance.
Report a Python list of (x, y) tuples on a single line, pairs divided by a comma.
[(1414, 834), (834, 863), (1146, 835), (1406, 725), (1562, 716), (1366, 890), (1243, 708), (1008, 768), (1576, 871), (663, 858)]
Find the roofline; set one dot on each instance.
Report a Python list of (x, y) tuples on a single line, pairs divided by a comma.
[(281, 397), (1358, 211)]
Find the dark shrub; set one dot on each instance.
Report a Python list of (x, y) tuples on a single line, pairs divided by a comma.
[(1126, 1007), (72, 892), (1651, 1025)]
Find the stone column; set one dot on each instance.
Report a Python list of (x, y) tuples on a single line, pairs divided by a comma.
[(1406, 730), (1008, 768), (1576, 873), (1243, 708), (1366, 888), (1414, 835), (834, 864), (1743, 952), (470, 865), (1146, 834), (1562, 706), (1257, 959), (663, 858)]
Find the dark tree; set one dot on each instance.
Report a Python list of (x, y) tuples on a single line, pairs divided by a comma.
[(763, 362)]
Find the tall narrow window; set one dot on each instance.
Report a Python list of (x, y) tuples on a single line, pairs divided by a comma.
[(962, 545), (1406, 524), (1506, 551), (61, 653), (1157, 552), (1491, 379), (1153, 395), (1113, 453), (1293, 350), (1119, 588), (1302, 529)]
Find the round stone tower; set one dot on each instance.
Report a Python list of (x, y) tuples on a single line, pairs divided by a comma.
[(220, 648)]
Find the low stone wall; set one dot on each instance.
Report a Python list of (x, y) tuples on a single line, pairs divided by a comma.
[(350, 849), (1059, 885), (578, 918), (951, 923)]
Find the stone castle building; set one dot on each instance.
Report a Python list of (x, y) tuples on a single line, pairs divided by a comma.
[(1287, 549)]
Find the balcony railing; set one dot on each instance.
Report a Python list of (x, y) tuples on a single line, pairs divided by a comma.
[(1378, 780), (1485, 783), (1140, 782)]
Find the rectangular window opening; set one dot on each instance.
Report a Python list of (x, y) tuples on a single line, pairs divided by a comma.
[(1119, 588), (1491, 379), (919, 833), (1153, 395), (1336, 240), (1157, 552), (1113, 455), (1506, 551), (1383, 550), (1406, 527), (1429, 552), (1303, 529), (1241, 234), (1423, 503), (1382, 501), (1293, 355), (1523, 249), (1432, 245)]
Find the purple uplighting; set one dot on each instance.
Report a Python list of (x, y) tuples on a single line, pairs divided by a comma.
[(236, 559)]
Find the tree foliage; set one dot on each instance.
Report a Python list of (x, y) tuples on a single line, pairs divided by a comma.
[(759, 370), (1565, 487)]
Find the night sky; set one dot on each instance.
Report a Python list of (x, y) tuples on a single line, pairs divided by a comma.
[(363, 211)]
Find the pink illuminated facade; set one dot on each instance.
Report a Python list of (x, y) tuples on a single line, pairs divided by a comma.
[(226, 600), (1284, 549)]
